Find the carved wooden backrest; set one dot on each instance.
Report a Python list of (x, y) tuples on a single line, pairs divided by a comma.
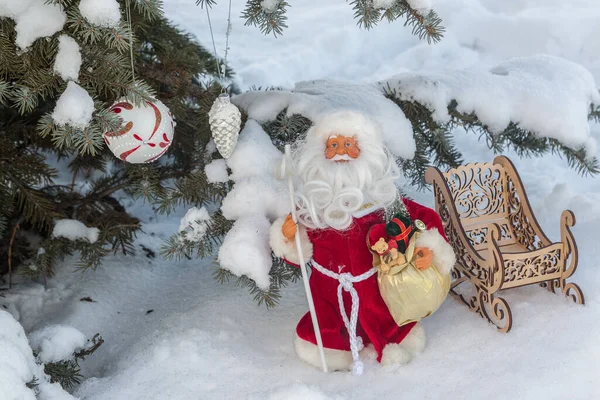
[(480, 194)]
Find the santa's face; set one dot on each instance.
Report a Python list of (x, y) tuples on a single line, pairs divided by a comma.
[(337, 178), (340, 148)]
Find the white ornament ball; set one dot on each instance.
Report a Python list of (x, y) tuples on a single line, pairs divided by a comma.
[(225, 121), (146, 133)]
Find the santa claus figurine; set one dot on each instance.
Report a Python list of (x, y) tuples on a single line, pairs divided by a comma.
[(345, 181)]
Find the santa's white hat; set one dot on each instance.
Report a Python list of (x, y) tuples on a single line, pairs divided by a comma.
[(347, 123)]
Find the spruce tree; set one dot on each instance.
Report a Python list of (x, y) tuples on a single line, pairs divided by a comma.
[(169, 65)]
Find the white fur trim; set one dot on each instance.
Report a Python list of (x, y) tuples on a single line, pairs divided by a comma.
[(395, 354), (287, 248), (309, 353), (347, 123), (415, 341), (443, 255)]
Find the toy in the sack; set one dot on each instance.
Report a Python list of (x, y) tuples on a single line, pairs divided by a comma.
[(146, 133), (391, 252), (400, 230), (410, 284)]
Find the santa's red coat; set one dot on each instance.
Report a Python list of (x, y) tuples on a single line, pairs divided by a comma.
[(347, 251)]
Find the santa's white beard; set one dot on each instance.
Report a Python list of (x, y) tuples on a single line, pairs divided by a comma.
[(330, 193)]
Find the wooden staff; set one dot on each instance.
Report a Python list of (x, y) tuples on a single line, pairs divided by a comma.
[(286, 172)]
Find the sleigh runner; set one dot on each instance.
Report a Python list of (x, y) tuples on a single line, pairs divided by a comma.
[(497, 239)]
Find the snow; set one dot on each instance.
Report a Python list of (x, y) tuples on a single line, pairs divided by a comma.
[(257, 195), (245, 250), (383, 4), (421, 5), (34, 19), (300, 392), (193, 225), (75, 230), (270, 5), (105, 13), (53, 391), (314, 99), (12, 8), (211, 147), (257, 198), (522, 90), (254, 154), (56, 342), (16, 358), (68, 59), (74, 107), (18, 366), (547, 95), (216, 171), (210, 341)]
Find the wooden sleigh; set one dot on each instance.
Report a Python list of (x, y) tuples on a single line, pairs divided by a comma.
[(497, 239)]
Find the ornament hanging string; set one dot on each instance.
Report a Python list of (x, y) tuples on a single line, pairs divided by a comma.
[(128, 7), (221, 68)]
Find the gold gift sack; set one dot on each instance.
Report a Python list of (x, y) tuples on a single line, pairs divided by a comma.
[(410, 294)]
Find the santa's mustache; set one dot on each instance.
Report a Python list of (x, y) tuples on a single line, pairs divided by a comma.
[(341, 157)]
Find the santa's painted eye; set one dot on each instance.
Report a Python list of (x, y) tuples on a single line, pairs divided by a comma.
[(334, 145), (348, 144)]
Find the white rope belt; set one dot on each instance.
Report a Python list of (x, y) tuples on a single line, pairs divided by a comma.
[(346, 281)]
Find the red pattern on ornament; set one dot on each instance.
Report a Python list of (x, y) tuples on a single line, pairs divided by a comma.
[(158, 119), (164, 144), (116, 108), (124, 155)]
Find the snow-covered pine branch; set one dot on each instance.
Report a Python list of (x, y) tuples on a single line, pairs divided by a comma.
[(270, 16), (22, 375), (547, 96)]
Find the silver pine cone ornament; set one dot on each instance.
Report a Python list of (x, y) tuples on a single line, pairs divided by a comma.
[(225, 120)]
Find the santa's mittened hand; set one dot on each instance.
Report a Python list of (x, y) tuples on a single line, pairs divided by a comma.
[(425, 259), (289, 228)]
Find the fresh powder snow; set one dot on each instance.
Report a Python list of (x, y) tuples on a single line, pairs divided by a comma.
[(216, 171), (257, 198), (211, 341), (315, 99), (105, 13), (299, 392), (74, 107), (74, 230), (211, 147), (193, 225), (245, 249), (68, 59), (383, 4), (421, 5), (12, 8), (34, 19), (18, 366), (54, 343), (547, 95), (270, 5)]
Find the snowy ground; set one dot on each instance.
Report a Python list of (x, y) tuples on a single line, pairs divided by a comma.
[(206, 341)]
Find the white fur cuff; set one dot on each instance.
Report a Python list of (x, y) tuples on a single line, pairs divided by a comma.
[(336, 360), (286, 249), (443, 255)]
